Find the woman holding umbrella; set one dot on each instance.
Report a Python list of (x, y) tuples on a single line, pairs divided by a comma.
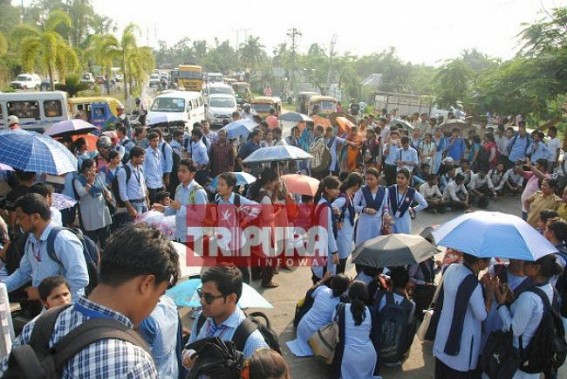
[(93, 211), (345, 227), (400, 198)]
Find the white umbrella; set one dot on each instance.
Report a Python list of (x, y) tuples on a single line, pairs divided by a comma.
[(69, 128), (277, 154), (493, 234)]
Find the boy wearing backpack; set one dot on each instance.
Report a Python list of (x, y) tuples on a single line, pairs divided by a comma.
[(34, 216), (220, 292), (94, 338)]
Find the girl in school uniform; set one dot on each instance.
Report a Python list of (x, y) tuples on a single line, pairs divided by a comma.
[(400, 199), (345, 223), (525, 314), (371, 204)]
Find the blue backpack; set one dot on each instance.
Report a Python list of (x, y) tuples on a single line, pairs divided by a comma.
[(90, 252)]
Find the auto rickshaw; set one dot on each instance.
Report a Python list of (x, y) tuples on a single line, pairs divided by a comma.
[(262, 105), (302, 103), (242, 92), (322, 105), (100, 109)]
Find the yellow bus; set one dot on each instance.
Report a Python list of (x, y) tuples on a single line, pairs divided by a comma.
[(190, 78)]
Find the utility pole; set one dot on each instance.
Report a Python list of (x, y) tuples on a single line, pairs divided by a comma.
[(293, 33), (331, 53)]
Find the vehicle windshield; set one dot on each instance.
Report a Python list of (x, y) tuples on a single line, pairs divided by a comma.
[(155, 76), (240, 88), (328, 106), (221, 90), (190, 75), (22, 78), (215, 78), (168, 104), (222, 102), (262, 107)]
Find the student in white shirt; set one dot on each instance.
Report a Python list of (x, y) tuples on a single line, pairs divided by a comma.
[(430, 191), (455, 193), (554, 147)]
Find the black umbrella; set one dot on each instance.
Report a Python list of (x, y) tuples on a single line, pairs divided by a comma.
[(393, 250), (295, 117)]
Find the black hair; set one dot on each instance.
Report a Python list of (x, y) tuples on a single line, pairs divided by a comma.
[(229, 178), (459, 177), (358, 294), (374, 172), (405, 172), (548, 266), (33, 203), (559, 229), (189, 164), (471, 259), (266, 176), (113, 154), (153, 134), (24, 176), (48, 284), (339, 284), (353, 179), (177, 133), (137, 151), (404, 139), (121, 128), (326, 183), (197, 132), (87, 163), (400, 277), (306, 198), (546, 214), (42, 188), (79, 143), (255, 132), (162, 195), (267, 363), (227, 277), (551, 182), (137, 249)]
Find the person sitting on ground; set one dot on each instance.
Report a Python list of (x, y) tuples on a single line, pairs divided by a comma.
[(320, 314), (514, 180), (434, 197), (455, 193), (138, 265), (480, 188), (54, 291), (220, 316)]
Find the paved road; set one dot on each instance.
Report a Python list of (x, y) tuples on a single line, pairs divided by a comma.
[(293, 284)]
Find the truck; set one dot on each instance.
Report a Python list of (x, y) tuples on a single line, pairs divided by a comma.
[(190, 77), (406, 104)]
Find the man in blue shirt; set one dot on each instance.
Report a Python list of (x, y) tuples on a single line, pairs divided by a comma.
[(538, 148), (153, 170), (220, 293), (34, 216), (390, 156), (456, 146), (519, 145), (132, 188), (407, 156), (199, 155)]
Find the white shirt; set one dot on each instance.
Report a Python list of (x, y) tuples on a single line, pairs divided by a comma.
[(553, 146), (452, 189), (477, 182), (429, 191)]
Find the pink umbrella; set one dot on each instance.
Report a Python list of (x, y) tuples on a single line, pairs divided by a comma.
[(300, 184), (69, 128)]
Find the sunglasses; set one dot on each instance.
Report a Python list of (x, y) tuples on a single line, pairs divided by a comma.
[(207, 296)]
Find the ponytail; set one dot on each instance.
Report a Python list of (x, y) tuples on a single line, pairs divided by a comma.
[(358, 294)]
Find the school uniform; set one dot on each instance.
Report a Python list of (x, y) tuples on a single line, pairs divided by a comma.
[(327, 220), (368, 226), (400, 204), (345, 235)]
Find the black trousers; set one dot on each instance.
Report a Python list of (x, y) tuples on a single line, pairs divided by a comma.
[(390, 172), (442, 371)]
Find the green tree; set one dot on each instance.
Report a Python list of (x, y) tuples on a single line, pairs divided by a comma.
[(252, 53), (104, 50), (72, 85), (45, 47), (452, 82)]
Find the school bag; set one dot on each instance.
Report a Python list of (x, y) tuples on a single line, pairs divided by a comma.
[(37, 360), (394, 333), (114, 187), (254, 321), (303, 306), (500, 359), (547, 350), (90, 252)]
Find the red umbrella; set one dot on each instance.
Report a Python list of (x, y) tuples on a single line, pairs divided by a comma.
[(300, 184)]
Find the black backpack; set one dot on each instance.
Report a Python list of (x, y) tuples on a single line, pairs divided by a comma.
[(115, 189), (394, 333), (547, 350), (253, 321), (90, 252), (37, 360), (500, 359)]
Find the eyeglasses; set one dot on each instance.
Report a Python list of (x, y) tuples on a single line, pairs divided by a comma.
[(207, 296)]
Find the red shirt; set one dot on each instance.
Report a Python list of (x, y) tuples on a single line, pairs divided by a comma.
[(221, 158)]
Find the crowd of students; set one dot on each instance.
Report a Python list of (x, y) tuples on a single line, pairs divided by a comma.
[(428, 168)]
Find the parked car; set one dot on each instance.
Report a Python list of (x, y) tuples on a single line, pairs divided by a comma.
[(88, 78), (46, 84), (219, 108), (154, 80), (26, 81)]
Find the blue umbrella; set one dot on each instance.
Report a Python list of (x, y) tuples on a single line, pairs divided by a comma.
[(185, 294), (242, 179), (295, 117), (493, 234), (33, 152), (239, 128), (277, 154)]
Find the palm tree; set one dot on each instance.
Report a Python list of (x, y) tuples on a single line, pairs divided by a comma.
[(140, 63), (72, 85), (46, 47), (104, 50), (252, 53)]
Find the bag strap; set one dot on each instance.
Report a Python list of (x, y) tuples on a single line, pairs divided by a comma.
[(92, 331), (43, 328), (242, 332), (200, 322), (51, 244)]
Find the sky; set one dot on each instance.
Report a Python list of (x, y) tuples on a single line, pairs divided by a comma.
[(422, 31)]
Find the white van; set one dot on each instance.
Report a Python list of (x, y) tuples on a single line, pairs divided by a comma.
[(36, 110), (182, 108)]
